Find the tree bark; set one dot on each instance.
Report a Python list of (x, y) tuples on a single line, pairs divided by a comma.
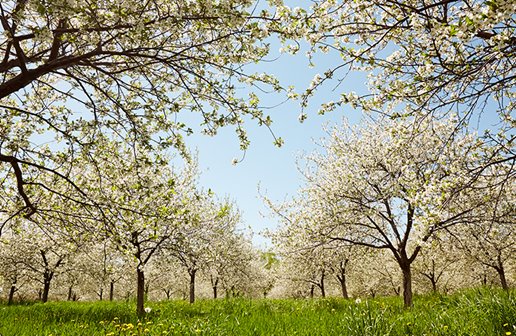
[(214, 285), (111, 290), (503, 279), (407, 284), (342, 280), (46, 290), (70, 293), (140, 292), (321, 285), (11, 294), (434, 285), (312, 291), (47, 278), (168, 292), (192, 273)]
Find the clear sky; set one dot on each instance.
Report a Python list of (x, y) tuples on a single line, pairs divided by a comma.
[(274, 169)]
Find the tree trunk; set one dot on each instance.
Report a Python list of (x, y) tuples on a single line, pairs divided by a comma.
[(503, 279), (111, 290), (343, 285), (167, 293), (101, 293), (373, 293), (501, 272), (46, 290), (321, 285), (70, 293), (434, 285), (11, 294), (47, 278), (192, 273), (140, 292), (312, 291), (214, 284), (407, 284)]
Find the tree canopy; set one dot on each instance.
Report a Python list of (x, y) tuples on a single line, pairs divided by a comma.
[(73, 71)]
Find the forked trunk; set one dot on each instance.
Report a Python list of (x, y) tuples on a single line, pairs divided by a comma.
[(343, 286), (214, 285)]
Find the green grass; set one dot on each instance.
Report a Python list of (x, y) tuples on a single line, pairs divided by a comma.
[(473, 312)]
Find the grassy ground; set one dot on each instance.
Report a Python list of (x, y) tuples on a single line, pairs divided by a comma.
[(474, 312)]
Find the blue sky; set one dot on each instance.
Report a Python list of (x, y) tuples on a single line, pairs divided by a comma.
[(274, 169)]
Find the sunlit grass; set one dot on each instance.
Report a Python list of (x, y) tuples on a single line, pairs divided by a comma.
[(473, 312)]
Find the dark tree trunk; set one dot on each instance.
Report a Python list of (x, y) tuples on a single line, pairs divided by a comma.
[(47, 278), (344, 288), (434, 285), (214, 285), (46, 290), (373, 293), (168, 292), (11, 294), (433, 280), (101, 293), (111, 290), (321, 285), (312, 291), (503, 279), (407, 284), (341, 276), (192, 273), (70, 293), (140, 292), (501, 272)]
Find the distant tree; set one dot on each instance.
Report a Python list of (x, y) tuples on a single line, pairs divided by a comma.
[(492, 242), (212, 224), (389, 185), (151, 204)]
